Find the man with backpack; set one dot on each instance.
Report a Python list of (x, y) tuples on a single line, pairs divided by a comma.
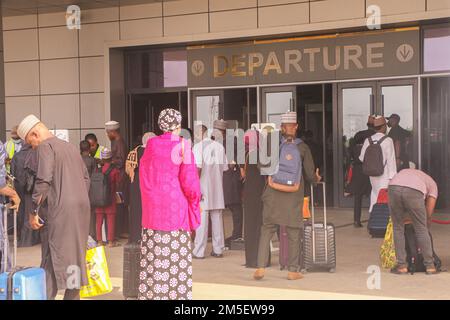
[(359, 185), (106, 188), (283, 197), (378, 159)]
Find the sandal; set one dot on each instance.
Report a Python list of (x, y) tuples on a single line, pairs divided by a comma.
[(113, 244), (399, 270), (431, 271)]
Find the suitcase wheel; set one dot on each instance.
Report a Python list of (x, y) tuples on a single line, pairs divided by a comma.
[(332, 270)]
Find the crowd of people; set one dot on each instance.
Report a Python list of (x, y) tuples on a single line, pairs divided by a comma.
[(166, 191), (412, 193)]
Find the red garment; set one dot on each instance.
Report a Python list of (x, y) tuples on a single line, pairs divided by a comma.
[(110, 222), (383, 196), (108, 211), (114, 180)]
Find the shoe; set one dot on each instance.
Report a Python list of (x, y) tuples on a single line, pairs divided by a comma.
[(358, 225), (113, 244), (431, 271), (259, 273), (198, 258), (215, 255), (399, 270), (295, 276)]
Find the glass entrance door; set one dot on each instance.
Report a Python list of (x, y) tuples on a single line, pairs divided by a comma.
[(275, 102), (400, 97), (356, 103), (359, 100), (207, 107)]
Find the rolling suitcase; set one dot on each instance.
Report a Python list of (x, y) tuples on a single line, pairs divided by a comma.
[(319, 243), (19, 283), (284, 249), (379, 217), (131, 269)]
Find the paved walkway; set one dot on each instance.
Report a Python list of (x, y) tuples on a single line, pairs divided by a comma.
[(226, 278)]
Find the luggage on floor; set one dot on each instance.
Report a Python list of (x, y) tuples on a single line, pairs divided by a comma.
[(99, 281), (284, 249), (414, 256), (378, 220), (319, 243), (379, 217), (131, 269), (387, 251), (100, 189), (19, 283)]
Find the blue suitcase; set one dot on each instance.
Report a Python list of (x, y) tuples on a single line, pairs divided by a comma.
[(378, 220), (19, 283)]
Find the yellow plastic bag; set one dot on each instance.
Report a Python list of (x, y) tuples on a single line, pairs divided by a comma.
[(99, 281), (387, 252)]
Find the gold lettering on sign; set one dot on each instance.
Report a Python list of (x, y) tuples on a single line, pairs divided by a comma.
[(218, 73), (272, 64), (337, 59), (294, 61), (255, 60), (236, 63), (312, 59), (352, 53), (371, 56)]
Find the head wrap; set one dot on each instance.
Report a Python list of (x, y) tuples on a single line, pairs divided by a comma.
[(169, 120), (28, 123), (112, 125), (220, 124), (289, 117), (147, 136), (106, 154), (379, 121)]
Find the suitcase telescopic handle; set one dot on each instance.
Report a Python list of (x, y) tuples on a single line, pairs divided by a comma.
[(6, 207), (324, 220)]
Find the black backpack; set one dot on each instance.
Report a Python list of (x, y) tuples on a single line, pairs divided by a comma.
[(100, 191), (373, 164), (414, 256)]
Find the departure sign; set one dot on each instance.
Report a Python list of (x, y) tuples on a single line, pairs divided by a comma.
[(346, 56)]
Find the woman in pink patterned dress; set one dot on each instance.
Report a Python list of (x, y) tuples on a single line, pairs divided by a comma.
[(171, 195)]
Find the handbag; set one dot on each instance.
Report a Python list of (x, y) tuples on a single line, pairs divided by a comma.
[(99, 281), (387, 252)]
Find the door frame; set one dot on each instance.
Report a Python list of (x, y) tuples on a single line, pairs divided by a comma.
[(376, 108), (205, 93), (415, 92), (275, 89), (340, 200)]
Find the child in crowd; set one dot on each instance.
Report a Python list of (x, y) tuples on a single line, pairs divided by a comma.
[(109, 210)]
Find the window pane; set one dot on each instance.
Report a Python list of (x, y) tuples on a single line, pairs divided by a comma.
[(278, 103), (207, 110), (175, 69), (399, 100), (437, 49)]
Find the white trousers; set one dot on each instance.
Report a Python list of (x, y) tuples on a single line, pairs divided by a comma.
[(201, 237)]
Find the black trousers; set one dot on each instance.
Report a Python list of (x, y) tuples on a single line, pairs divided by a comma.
[(357, 207), (238, 220)]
